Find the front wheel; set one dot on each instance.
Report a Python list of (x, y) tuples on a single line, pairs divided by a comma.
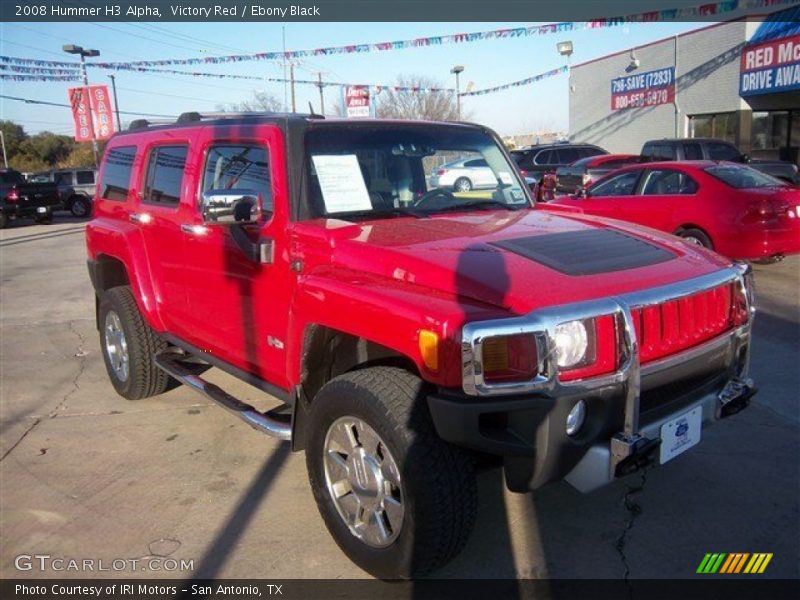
[(398, 500), (462, 184)]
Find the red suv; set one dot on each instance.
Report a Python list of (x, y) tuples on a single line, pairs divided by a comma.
[(406, 328)]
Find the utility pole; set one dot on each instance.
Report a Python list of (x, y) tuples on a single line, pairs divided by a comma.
[(3, 141), (291, 76), (84, 52), (285, 98), (116, 104), (321, 95), (457, 70)]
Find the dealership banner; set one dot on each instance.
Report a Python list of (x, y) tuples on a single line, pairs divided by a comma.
[(639, 90), (356, 101), (91, 113), (771, 66)]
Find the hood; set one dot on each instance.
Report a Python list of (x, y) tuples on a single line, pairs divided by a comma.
[(519, 260)]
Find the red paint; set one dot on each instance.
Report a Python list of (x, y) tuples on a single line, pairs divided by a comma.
[(741, 223), (382, 280)]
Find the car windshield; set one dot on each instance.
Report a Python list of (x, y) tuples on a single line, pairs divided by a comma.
[(742, 177), (362, 171)]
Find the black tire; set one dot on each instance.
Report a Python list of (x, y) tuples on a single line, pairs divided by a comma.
[(80, 207), (439, 491), (3, 220), (462, 184), (696, 236), (144, 378)]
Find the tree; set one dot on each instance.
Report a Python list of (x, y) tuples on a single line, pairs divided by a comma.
[(260, 102), (49, 147), (81, 156), (14, 135), (430, 106)]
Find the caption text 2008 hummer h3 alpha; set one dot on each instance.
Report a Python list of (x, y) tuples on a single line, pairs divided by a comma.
[(407, 327)]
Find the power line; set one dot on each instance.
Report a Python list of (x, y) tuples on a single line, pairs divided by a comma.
[(124, 112)]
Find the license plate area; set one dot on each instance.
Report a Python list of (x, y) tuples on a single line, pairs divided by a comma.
[(41, 209), (680, 434)]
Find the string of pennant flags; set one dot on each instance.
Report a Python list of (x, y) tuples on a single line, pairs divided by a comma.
[(688, 12)]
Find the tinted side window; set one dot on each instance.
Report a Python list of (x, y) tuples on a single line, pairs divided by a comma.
[(232, 167), (546, 157), (589, 151), (84, 177), (63, 178), (479, 162), (668, 182), (666, 152), (165, 175), (567, 155), (718, 151), (117, 173), (692, 151), (619, 185)]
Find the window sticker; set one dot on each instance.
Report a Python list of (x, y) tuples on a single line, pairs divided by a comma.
[(342, 183)]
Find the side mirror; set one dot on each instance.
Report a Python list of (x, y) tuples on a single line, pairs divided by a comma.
[(228, 207), (745, 158)]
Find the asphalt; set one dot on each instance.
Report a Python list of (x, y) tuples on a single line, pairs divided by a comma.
[(85, 474)]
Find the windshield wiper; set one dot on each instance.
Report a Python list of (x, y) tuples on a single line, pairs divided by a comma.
[(479, 204)]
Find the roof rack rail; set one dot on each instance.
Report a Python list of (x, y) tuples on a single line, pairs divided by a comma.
[(193, 117), (145, 123)]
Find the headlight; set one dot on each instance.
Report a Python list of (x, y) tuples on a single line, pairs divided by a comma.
[(571, 341)]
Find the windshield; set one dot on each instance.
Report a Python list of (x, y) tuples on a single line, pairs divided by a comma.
[(368, 170), (742, 177)]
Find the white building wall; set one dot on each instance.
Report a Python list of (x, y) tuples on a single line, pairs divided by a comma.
[(707, 81)]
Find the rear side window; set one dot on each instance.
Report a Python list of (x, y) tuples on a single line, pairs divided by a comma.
[(64, 178), (567, 155), (590, 151), (692, 151), (239, 167), (117, 173), (719, 151), (165, 175), (479, 162), (546, 157), (668, 183), (84, 177)]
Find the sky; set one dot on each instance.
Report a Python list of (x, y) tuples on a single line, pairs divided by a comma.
[(542, 106)]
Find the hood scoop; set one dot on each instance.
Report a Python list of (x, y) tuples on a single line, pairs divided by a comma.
[(587, 252)]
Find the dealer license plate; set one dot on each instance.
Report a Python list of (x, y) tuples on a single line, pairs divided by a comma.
[(680, 434), (41, 209)]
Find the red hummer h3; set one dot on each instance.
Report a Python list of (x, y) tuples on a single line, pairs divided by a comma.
[(406, 328)]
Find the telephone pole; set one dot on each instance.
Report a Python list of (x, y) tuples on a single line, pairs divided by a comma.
[(291, 76), (116, 104), (321, 94)]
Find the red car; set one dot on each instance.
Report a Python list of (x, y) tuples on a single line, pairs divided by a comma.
[(733, 209), (582, 173)]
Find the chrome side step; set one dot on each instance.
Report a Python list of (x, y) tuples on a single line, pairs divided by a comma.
[(273, 423)]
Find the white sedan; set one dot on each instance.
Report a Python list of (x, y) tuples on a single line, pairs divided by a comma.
[(464, 175)]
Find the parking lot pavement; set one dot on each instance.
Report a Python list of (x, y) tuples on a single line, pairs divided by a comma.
[(87, 475)]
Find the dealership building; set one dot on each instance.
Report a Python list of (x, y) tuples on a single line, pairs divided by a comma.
[(738, 81)]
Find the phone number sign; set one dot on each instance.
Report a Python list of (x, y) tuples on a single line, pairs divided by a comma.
[(643, 89)]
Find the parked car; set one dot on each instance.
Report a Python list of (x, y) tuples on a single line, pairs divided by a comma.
[(537, 162), (464, 175), (20, 199), (76, 186), (731, 208), (405, 327), (583, 172), (712, 149)]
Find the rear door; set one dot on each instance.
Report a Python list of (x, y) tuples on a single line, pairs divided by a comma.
[(664, 199), (609, 197)]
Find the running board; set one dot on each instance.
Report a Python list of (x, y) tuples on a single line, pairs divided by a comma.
[(273, 423)]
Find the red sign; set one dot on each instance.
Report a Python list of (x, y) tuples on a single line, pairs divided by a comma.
[(91, 112), (356, 101), (643, 98)]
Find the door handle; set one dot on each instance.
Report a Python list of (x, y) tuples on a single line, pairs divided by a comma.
[(141, 218), (196, 230)]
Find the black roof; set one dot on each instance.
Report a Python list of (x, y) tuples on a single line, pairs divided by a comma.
[(537, 147)]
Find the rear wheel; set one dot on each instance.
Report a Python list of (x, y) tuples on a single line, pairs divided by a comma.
[(80, 207), (129, 345), (462, 184), (397, 499), (697, 237)]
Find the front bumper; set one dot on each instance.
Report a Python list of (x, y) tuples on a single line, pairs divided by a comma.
[(623, 418)]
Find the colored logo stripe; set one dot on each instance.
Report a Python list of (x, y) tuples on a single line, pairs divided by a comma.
[(734, 563)]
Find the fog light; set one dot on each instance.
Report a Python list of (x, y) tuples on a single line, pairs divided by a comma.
[(576, 417)]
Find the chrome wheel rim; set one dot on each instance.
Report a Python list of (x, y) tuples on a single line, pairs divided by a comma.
[(363, 481), (694, 240), (116, 346), (463, 186)]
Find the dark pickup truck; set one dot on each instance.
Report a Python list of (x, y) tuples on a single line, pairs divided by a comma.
[(19, 198), (713, 149)]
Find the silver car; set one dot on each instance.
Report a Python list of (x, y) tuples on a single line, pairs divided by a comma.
[(464, 175)]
